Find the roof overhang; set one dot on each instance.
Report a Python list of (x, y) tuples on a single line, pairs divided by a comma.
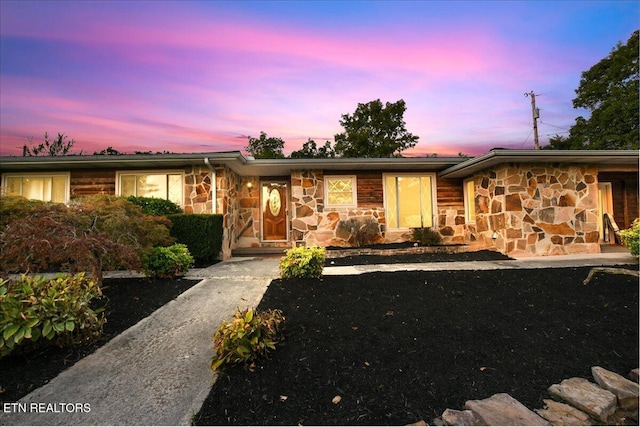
[(604, 159), (233, 159)]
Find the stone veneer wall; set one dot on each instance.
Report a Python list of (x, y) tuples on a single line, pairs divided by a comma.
[(313, 223), (227, 204), (197, 190), (538, 209)]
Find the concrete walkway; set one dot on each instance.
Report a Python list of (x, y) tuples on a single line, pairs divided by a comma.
[(157, 372)]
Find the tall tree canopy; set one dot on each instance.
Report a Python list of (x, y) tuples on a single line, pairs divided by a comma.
[(374, 130), (265, 147), (310, 150), (609, 90), (56, 147)]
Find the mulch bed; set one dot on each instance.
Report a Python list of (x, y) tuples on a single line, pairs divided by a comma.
[(126, 302), (482, 255), (404, 346)]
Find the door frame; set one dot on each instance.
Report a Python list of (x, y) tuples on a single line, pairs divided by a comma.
[(285, 206), (605, 206)]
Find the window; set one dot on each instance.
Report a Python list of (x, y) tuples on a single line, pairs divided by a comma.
[(409, 200), (340, 191), (469, 201), (45, 187), (166, 185)]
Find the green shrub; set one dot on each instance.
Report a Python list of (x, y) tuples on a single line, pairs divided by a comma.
[(155, 206), (38, 312), (167, 262), (248, 336), (52, 237), (426, 236), (631, 237), (16, 207), (202, 233), (303, 262)]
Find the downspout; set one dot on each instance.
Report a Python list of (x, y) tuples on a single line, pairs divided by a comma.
[(214, 191)]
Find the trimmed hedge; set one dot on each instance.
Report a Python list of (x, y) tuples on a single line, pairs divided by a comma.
[(202, 233), (155, 206)]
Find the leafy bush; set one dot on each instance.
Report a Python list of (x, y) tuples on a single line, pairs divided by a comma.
[(40, 312), (426, 236), (16, 207), (155, 206), (631, 237), (202, 233), (303, 262), (124, 222), (362, 231), (248, 336), (54, 237), (167, 262), (92, 234)]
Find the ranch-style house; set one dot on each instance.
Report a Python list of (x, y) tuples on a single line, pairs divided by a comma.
[(519, 202)]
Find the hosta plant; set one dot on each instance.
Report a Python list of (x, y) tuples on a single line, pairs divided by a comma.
[(303, 262), (249, 335), (39, 312)]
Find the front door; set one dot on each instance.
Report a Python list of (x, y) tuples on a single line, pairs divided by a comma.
[(274, 212), (605, 206)]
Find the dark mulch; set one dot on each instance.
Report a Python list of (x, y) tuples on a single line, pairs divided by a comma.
[(404, 346), (483, 255), (126, 302)]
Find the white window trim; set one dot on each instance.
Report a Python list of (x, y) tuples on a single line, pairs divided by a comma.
[(151, 172), (468, 201), (434, 196), (354, 185), (66, 175)]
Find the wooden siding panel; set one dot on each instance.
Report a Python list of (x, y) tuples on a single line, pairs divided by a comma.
[(369, 188), (93, 182), (450, 192)]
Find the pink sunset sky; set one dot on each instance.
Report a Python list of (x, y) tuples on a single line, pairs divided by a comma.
[(196, 76)]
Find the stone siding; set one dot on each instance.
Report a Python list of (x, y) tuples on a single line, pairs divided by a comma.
[(197, 190), (538, 209)]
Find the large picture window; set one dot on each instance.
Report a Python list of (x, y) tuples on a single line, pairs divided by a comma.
[(409, 201), (152, 184), (469, 201), (45, 187), (340, 191)]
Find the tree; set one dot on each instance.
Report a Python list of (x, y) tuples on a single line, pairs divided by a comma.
[(56, 147), (609, 90), (374, 130), (310, 150), (109, 151), (265, 147)]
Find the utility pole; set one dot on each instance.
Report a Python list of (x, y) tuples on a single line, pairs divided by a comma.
[(536, 115)]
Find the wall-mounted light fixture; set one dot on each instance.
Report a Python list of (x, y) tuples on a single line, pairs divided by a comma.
[(250, 187), (494, 236)]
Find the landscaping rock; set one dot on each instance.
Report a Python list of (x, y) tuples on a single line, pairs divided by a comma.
[(586, 396), (502, 409), (625, 390), (635, 374), (418, 423), (451, 417), (561, 414)]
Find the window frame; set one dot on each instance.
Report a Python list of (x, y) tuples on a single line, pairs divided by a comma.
[(434, 197), (22, 175), (469, 201), (166, 172), (354, 191)]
